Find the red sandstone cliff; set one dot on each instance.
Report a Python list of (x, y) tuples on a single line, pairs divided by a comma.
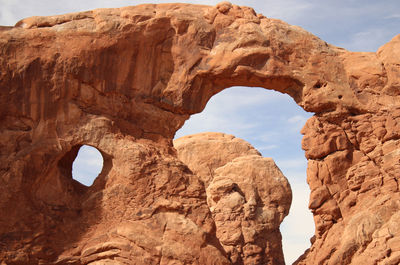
[(125, 80)]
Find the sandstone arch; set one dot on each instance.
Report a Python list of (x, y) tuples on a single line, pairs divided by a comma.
[(124, 80)]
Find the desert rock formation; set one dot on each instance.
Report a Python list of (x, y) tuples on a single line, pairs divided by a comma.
[(247, 194), (125, 80), (203, 153)]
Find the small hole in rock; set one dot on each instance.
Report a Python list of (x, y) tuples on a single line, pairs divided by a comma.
[(318, 85), (340, 97), (87, 165)]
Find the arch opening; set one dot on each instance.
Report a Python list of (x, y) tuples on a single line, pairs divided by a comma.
[(87, 165), (271, 122)]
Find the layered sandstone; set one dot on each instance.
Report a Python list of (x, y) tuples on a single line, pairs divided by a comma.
[(125, 80), (247, 194)]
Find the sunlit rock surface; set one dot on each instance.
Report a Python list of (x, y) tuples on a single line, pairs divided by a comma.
[(247, 194), (125, 80)]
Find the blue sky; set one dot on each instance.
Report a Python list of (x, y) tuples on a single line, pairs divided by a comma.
[(270, 121)]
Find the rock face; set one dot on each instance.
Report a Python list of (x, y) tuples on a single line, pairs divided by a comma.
[(125, 80), (247, 194), (205, 152)]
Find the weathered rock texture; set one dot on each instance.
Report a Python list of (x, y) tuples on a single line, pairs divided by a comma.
[(125, 80), (205, 152), (247, 194)]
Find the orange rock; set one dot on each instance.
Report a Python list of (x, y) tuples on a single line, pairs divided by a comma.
[(125, 80), (247, 194), (205, 152)]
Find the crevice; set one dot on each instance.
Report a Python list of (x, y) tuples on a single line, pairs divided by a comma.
[(397, 182), (384, 174)]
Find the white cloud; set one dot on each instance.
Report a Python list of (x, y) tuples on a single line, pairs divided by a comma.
[(210, 121), (227, 112), (235, 98), (297, 122), (7, 15), (267, 136), (393, 16), (300, 162), (286, 10), (297, 119), (267, 147), (368, 40)]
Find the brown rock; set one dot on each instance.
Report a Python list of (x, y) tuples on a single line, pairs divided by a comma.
[(205, 152), (125, 80), (249, 210), (247, 194)]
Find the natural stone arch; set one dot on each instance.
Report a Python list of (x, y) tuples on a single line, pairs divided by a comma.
[(126, 79)]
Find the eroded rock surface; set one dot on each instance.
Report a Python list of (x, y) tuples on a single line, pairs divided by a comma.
[(125, 80), (205, 152), (247, 194)]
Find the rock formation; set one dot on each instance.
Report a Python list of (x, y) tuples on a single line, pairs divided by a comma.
[(125, 80), (247, 194), (203, 153)]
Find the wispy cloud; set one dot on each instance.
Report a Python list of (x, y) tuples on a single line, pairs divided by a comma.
[(300, 162), (228, 112), (393, 16), (267, 147), (239, 97), (297, 121), (7, 13), (369, 40), (267, 136), (210, 121), (286, 10)]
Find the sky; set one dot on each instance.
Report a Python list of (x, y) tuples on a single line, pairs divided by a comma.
[(270, 121)]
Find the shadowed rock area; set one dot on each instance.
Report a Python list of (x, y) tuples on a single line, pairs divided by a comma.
[(125, 80)]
